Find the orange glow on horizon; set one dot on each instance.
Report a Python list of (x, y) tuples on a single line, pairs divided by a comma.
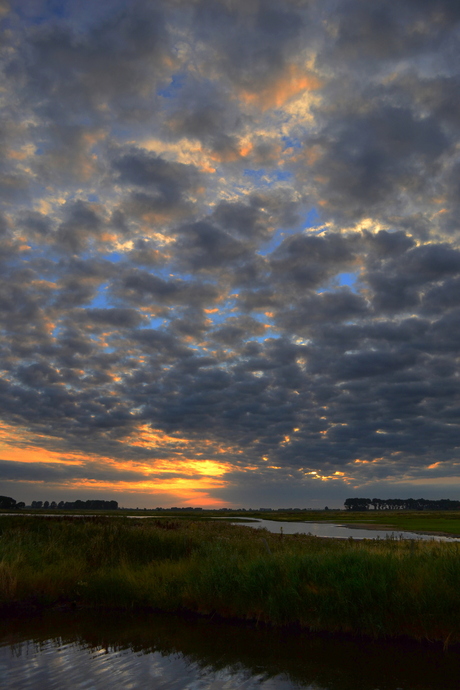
[(186, 479)]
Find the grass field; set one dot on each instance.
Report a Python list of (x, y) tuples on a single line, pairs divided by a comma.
[(437, 522), (377, 588), (412, 521)]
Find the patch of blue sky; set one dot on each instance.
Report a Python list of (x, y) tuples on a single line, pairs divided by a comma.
[(166, 273), (92, 198), (173, 88), (259, 317), (267, 177), (223, 312), (312, 219), (349, 280), (282, 175), (156, 322), (34, 14), (291, 143), (276, 239), (114, 257), (42, 146), (255, 174), (121, 132), (100, 301), (262, 338)]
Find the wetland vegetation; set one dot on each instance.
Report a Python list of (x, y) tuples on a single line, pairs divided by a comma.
[(383, 588)]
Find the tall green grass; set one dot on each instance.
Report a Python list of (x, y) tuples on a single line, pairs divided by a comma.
[(377, 588)]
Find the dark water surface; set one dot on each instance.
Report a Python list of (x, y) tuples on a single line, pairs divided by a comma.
[(99, 651)]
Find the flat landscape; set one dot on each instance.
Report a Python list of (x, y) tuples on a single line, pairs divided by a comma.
[(436, 522), (376, 588)]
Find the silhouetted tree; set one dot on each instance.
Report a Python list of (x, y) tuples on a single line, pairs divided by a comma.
[(401, 504), (357, 503), (7, 503)]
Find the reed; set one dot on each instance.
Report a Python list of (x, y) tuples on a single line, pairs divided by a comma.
[(380, 588)]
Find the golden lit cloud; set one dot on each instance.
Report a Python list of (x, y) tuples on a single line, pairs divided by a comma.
[(293, 82)]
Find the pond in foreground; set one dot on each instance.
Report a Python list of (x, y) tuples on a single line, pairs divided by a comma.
[(95, 651)]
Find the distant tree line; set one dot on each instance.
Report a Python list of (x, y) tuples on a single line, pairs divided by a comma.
[(77, 505), (8, 503), (401, 504)]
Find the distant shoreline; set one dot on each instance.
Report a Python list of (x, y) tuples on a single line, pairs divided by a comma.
[(359, 525)]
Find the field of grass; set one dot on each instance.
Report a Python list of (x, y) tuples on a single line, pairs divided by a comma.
[(437, 522), (445, 522), (377, 588)]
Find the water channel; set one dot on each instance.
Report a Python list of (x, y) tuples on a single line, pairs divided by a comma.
[(93, 651), (328, 529), (317, 529), (83, 650)]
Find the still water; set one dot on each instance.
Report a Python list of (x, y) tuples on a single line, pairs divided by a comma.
[(317, 529), (90, 651), (328, 529)]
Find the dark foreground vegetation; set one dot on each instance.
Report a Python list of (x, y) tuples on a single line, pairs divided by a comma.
[(377, 588)]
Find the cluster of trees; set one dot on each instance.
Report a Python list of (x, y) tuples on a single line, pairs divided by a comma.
[(401, 504), (77, 505), (8, 503)]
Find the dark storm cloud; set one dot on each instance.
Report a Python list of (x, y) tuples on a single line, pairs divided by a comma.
[(117, 318), (205, 111), (342, 305), (115, 61), (81, 224), (79, 280), (245, 220), (54, 472), (382, 31), (139, 287), (308, 261), (372, 156), (204, 246), (251, 41), (237, 329), (37, 225), (397, 284), (235, 223), (166, 184)]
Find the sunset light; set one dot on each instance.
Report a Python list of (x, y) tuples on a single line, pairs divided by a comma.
[(230, 266)]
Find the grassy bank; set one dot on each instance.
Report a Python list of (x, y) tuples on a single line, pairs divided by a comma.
[(436, 522), (381, 588)]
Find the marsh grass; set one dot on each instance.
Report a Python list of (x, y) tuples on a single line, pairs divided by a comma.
[(378, 588)]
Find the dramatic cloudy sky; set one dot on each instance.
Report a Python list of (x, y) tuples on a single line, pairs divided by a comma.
[(230, 271)]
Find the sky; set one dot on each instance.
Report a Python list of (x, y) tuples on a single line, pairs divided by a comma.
[(230, 263)]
